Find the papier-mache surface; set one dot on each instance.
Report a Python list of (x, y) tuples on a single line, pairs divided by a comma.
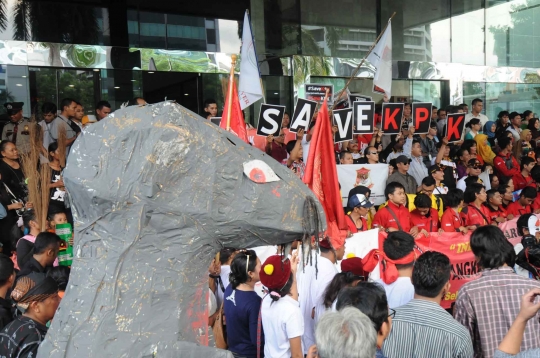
[(156, 191)]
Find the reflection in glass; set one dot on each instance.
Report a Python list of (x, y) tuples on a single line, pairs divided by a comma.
[(468, 34), (513, 37)]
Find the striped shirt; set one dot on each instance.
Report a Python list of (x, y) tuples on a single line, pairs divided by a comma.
[(488, 305), (423, 329)]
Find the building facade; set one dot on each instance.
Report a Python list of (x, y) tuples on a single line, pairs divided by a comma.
[(444, 52)]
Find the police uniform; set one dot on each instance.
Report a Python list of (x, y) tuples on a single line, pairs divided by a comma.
[(19, 132)]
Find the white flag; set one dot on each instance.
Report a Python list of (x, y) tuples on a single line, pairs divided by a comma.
[(249, 87), (381, 58)]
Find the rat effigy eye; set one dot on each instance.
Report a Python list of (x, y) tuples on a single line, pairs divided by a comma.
[(259, 172)]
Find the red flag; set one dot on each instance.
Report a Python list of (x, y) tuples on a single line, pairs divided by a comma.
[(236, 123), (321, 177)]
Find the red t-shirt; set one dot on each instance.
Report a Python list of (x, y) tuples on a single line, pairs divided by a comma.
[(516, 209), (521, 182), (383, 218), (536, 203), (500, 165), (352, 226), (472, 216), (494, 214), (430, 224), (451, 221)]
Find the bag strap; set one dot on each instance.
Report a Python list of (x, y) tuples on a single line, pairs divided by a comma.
[(481, 213), (220, 281), (394, 216), (259, 329)]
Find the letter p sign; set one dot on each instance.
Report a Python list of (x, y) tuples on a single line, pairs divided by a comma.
[(421, 117)]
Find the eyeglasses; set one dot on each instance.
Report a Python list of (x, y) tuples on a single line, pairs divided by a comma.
[(391, 313)]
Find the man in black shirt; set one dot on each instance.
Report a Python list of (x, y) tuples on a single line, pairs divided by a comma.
[(46, 250)]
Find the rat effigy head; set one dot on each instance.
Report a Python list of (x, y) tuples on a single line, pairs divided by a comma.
[(156, 191)]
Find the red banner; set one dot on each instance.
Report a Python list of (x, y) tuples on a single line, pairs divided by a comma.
[(457, 247)]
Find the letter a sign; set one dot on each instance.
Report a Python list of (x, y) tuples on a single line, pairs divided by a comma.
[(392, 114), (454, 126), (303, 113), (421, 117)]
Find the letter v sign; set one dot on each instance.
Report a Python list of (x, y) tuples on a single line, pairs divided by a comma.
[(454, 127)]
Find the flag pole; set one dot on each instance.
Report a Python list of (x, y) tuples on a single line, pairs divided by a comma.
[(230, 91), (355, 72)]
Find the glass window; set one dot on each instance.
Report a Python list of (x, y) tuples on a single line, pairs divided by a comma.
[(335, 30), (512, 37), (468, 32), (152, 30), (418, 38)]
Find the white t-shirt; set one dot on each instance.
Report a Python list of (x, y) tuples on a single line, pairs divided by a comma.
[(281, 320), (225, 271), (327, 271), (310, 294), (305, 148), (482, 117), (399, 292)]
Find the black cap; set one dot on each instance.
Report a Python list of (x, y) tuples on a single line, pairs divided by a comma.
[(402, 159), (435, 168), (13, 107)]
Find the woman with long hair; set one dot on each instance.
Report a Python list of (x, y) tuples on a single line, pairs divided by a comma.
[(242, 304), (462, 157), (484, 149), (56, 186), (471, 147), (352, 272), (534, 127), (525, 146)]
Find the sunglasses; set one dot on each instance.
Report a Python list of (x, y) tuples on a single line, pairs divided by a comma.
[(476, 166), (373, 153)]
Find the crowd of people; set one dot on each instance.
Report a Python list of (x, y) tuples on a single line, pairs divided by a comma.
[(327, 305), (285, 307)]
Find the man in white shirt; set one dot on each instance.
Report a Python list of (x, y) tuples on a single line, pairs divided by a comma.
[(311, 286), (398, 257), (477, 106), (515, 126)]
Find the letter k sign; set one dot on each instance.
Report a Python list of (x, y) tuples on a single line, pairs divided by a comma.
[(454, 126)]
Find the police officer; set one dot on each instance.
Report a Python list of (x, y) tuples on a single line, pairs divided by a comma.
[(17, 129)]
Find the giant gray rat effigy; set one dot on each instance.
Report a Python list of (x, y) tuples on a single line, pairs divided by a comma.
[(156, 191)]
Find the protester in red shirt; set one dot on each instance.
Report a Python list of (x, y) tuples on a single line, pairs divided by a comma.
[(395, 216), (494, 204), (524, 178), (356, 220), (475, 214), (451, 220), (507, 197), (535, 174), (524, 204), (424, 216), (275, 146), (505, 163)]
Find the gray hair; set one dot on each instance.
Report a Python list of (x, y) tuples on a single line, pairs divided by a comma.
[(346, 334)]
